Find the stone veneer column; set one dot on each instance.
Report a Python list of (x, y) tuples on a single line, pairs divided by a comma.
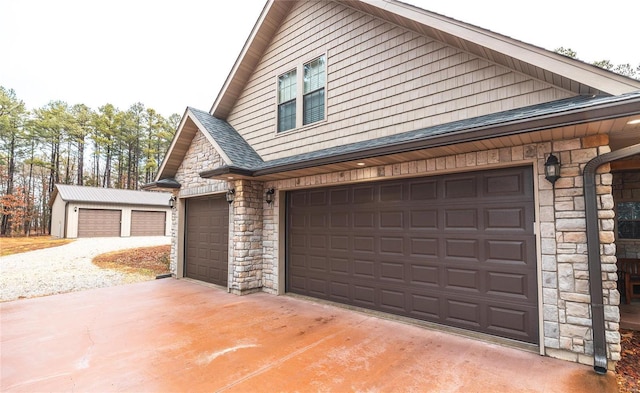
[(245, 243), (173, 255), (567, 323)]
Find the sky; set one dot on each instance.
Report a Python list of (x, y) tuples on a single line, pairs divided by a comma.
[(170, 54)]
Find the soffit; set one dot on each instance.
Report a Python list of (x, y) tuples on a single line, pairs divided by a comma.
[(620, 135)]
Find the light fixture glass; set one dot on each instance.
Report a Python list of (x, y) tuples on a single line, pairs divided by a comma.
[(269, 195), (231, 193), (552, 169), (172, 201)]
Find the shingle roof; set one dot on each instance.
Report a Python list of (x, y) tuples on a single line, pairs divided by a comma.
[(549, 109), (229, 140), (71, 193)]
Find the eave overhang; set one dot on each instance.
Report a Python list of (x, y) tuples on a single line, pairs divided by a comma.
[(605, 109), (162, 185)]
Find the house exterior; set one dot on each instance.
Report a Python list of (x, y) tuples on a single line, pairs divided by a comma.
[(78, 211), (382, 156)]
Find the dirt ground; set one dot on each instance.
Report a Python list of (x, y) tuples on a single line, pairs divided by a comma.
[(628, 368)]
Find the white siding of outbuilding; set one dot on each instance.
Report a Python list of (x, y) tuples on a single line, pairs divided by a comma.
[(58, 212)]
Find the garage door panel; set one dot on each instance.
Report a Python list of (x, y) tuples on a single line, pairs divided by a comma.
[(461, 313), (461, 219), (460, 188), (501, 283), (427, 307), (364, 296), (423, 247), (424, 275), (505, 218), (148, 223), (468, 249), (424, 219), (447, 249), (505, 185), (99, 223), (206, 239), (423, 190), (510, 322)]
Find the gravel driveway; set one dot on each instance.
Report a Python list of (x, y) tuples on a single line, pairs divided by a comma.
[(66, 268)]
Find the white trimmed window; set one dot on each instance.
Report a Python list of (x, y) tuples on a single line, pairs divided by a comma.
[(287, 101), (309, 82)]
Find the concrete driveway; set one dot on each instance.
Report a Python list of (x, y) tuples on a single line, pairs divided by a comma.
[(179, 336)]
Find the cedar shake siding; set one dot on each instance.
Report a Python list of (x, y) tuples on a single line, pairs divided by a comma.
[(381, 79)]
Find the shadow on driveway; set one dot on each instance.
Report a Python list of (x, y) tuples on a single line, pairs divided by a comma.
[(176, 335)]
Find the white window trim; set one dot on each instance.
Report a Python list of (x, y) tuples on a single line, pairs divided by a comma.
[(299, 67)]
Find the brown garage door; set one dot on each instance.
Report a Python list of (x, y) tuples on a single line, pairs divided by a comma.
[(207, 239), (457, 250), (147, 223), (98, 223)]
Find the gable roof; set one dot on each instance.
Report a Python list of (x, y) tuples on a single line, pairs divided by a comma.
[(567, 73), (233, 149), (584, 80), (70, 193)]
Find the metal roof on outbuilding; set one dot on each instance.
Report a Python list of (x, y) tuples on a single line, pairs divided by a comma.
[(69, 193)]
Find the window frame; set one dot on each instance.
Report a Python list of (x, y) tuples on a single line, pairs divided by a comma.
[(618, 220), (300, 94)]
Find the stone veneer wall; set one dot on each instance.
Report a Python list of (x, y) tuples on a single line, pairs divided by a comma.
[(626, 188), (566, 302), (245, 250)]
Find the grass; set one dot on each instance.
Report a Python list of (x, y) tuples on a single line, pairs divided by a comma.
[(144, 261), (16, 245)]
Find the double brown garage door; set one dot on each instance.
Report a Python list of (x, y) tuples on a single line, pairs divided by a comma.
[(457, 250), (107, 223), (207, 239)]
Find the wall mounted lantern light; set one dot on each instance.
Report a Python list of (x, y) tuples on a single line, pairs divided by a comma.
[(172, 201), (269, 195), (231, 193), (552, 169)]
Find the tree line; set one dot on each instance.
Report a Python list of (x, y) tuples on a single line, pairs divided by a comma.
[(72, 144)]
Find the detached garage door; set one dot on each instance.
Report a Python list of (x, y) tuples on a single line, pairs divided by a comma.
[(207, 239), (147, 223), (98, 223), (457, 250)]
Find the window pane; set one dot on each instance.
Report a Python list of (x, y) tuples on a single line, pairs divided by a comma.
[(287, 87), (313, 107), (629, 230), (287, 115), (628, 216), (314, 75)]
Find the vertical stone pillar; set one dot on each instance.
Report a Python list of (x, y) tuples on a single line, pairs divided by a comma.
[(173, 255), (245, 245)]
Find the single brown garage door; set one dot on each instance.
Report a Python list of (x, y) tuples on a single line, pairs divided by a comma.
[(457, 250), (147, 223), (207, 239), (98, 223)]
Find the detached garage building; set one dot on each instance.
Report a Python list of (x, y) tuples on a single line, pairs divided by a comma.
[(78, 211)]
